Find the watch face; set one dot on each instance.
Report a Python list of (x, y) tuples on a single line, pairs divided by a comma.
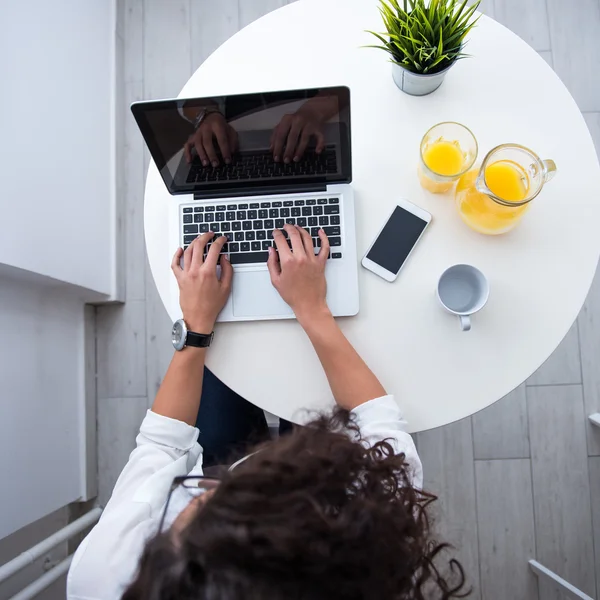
[(178, 335)]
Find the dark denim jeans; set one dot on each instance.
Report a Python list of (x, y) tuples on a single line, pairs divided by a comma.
[(228, 424)]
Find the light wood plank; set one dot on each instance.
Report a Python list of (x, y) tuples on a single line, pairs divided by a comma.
[(210, 27), (250, 10), (593, 123), (121, 350), (529, 21), (562, 585), (506, 529), (501, 430), (589, 328), (550, 592), (547, 56), (594, 467), (167, 67), (563, 514), (134, 177), (575, 42), (159, 349), (133, 36), (589, 331), (447, 456), (167, 47), (119, 421), (564, 364)]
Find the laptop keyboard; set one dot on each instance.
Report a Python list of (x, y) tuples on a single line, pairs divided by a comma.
[(260, 165), (249, 226)]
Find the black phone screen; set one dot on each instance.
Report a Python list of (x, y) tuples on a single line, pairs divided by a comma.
[(396, 240)]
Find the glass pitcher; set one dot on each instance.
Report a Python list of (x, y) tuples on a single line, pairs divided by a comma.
[(493, 200)]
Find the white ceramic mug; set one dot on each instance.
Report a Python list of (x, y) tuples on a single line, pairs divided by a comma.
[(463, 290)]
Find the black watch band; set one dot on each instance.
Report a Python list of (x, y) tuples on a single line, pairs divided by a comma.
[(199, 340)]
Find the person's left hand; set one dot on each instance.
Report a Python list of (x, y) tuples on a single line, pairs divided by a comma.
[(295, 131), (202, 295)]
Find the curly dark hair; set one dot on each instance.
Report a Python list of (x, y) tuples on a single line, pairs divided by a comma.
[(313, 515)]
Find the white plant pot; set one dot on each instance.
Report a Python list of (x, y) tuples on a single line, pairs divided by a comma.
[(416, 84)]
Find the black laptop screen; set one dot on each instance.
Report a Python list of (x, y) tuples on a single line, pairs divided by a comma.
[(271, 139)]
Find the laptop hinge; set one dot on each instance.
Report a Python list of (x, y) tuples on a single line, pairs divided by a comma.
[(256, 191)]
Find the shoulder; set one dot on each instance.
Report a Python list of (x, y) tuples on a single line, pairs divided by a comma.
[(382, 419)]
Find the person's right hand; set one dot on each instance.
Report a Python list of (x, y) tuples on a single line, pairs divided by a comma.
[(214, 126), (298, 274)]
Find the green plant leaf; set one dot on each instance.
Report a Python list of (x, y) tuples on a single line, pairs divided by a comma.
[(464, 18), (425, 36), (438, 60), (426, 22), (378, 36), (457, 14)]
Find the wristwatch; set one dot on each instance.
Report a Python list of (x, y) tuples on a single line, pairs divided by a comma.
[(204, 112), (181, 337)]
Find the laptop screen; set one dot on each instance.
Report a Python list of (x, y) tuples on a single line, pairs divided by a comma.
[(263, 140)]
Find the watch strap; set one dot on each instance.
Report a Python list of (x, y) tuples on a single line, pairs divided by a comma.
[(199, 340), (203, 114)]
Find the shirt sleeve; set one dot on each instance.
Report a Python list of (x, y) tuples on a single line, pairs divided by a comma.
[(107, 559), (161, 442), (381, 419)]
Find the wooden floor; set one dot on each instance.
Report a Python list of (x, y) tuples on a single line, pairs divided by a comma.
[(518, 480)]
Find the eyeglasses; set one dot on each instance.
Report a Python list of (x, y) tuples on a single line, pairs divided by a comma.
[(192, 485)]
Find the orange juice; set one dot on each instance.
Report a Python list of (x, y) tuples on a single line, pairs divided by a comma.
[(444, 158), (441, 158), (507, 181)]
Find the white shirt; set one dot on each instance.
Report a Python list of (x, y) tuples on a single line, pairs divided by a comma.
[(106, 561)]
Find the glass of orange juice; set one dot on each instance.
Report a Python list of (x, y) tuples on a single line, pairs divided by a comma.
[(493, 199), (448, 150)]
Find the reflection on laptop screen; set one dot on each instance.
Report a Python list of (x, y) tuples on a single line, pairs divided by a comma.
[(251, 140)]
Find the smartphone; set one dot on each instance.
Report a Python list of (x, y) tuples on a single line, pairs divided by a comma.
[(396, 240)]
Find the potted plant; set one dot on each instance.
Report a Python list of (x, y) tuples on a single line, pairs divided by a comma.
[(424, 39)]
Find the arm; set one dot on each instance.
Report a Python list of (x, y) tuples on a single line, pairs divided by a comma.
[(179, 394), (202, 296), (105, 561), (352, 382), (299, 276)]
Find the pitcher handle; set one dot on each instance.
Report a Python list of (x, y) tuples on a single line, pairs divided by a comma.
[(549, 170)]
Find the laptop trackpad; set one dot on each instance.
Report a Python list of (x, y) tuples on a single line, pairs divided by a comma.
[(255, 296)]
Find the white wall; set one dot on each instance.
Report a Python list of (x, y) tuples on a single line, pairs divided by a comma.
[(56, 174), (42, 401), (58, 245)]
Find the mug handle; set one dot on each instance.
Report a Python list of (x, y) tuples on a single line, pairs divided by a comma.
[(465, 322)]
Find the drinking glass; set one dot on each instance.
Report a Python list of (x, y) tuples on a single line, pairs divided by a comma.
[(448, 150)]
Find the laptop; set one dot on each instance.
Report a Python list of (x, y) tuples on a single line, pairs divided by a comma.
[(250, 194)]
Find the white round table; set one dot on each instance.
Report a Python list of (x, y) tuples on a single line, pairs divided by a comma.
[(539, 273)]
